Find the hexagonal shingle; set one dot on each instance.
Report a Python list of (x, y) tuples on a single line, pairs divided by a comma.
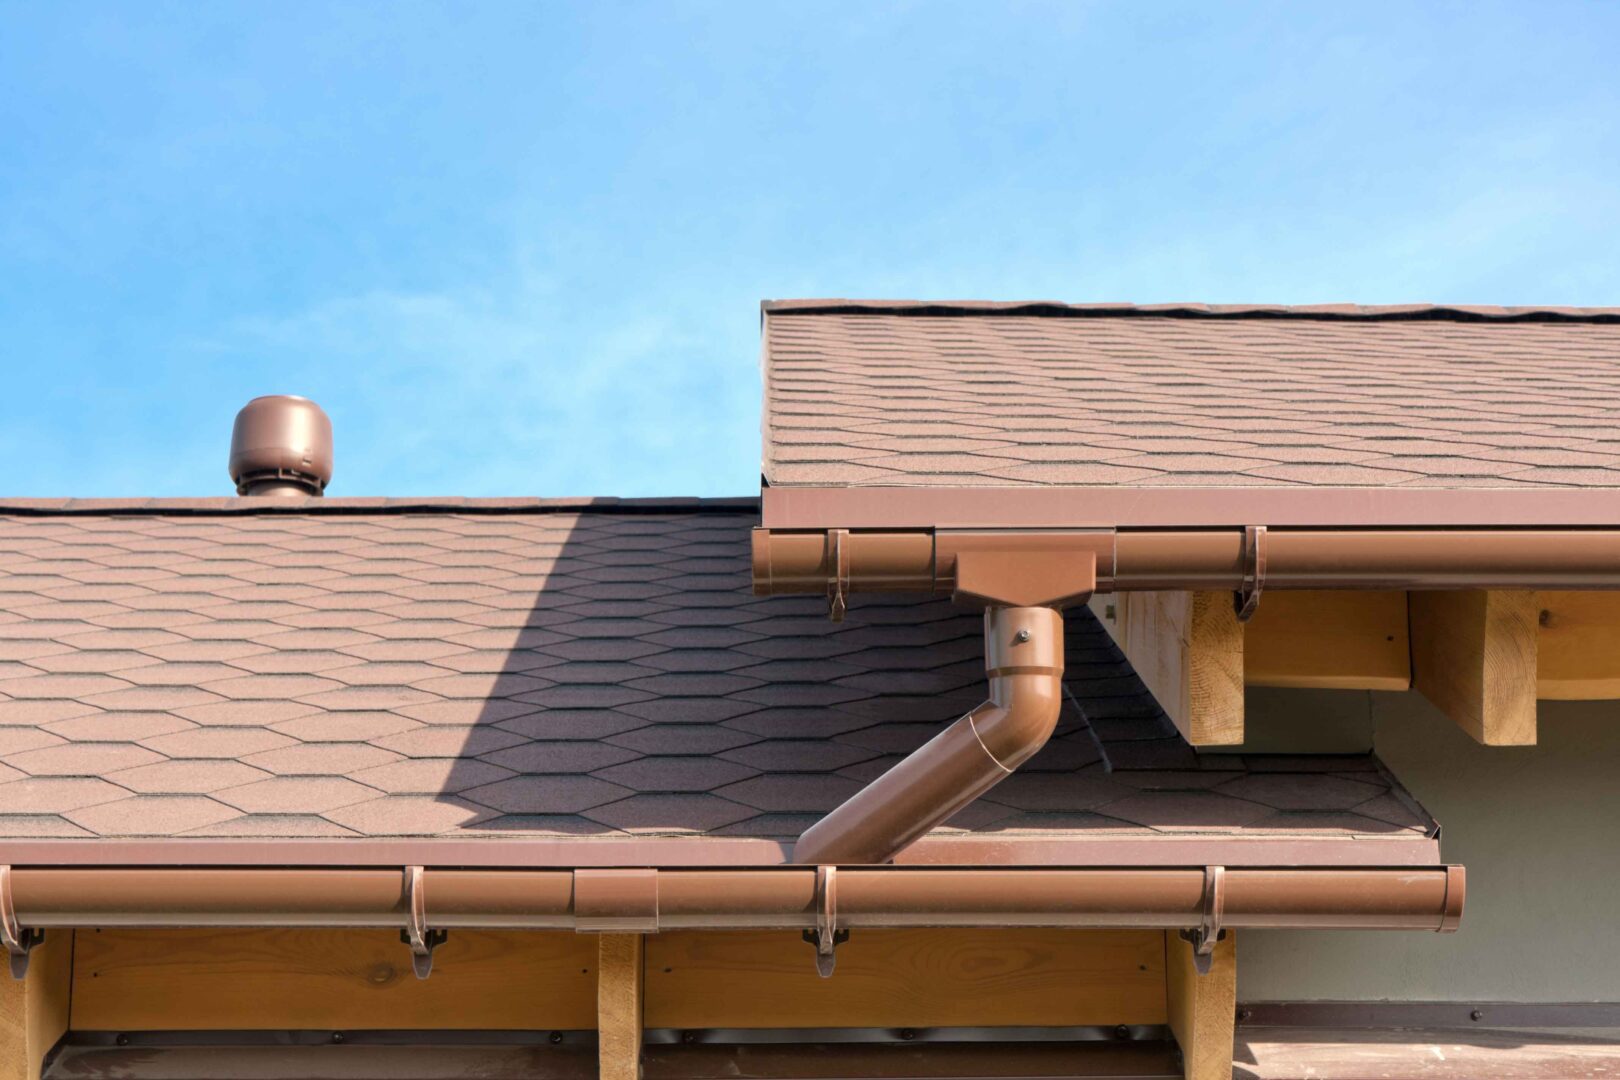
[(1300, 791), (696, 813), (321, 759), (346, 726), (82, 759), (577, 756), (408, 815), (295, 795), (118, 727), (151, 815), (432, 776), (791, 792), (1185, 810), (186, 777), (218, 742), (546, 794), (55, 794), (676, 774)]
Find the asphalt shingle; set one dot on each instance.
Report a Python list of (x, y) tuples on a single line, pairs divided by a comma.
[(537, 670)]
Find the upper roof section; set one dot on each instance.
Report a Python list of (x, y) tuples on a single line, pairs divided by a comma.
[(1400, 399)]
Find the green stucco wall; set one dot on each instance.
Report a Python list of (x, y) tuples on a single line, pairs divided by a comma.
[(1538, 828)]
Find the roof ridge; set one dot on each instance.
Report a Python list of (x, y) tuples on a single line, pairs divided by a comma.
[(234, 506), (1060, 309)]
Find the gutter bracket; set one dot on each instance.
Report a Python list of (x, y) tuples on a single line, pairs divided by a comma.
[(19, 942), (417, 935), (1247, 598), (838, 579), (1209, 929), (826, 936)]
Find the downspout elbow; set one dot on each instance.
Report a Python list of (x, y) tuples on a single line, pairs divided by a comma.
[(1020, 716), (1024, 659)]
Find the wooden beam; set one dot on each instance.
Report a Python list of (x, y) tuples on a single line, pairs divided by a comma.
[(1202, 1008), (1578, 646), (907, 978), (1474, 656), (34, 1011), (1188, 649), (1329, 641), (143, 980), (619, 1003)]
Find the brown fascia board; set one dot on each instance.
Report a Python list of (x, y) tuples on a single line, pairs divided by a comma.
[(1213, 848), (250, 505), (1059, 309), (790, 507)]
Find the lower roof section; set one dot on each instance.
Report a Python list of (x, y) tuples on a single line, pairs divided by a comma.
[(560, 686)]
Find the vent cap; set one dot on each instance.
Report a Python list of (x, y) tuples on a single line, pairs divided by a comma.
[(281, 445)]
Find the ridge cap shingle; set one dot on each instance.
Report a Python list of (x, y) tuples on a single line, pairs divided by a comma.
[(1195, 310)]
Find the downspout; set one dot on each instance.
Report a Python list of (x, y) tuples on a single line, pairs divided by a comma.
[(1023, 648), (1023, 592)]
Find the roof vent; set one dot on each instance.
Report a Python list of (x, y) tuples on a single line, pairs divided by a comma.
[(281, 445)]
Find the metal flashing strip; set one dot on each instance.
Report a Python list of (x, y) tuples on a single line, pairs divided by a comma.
[(1051, 507), (1147, 850)]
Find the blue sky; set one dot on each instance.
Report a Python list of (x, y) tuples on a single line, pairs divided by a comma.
[(518, 248)]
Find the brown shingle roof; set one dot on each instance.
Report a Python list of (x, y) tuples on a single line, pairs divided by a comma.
[(508, 672), (1191, 396)]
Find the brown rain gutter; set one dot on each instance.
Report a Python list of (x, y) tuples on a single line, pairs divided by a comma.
[(777, 898), (824, 902), (1127, 560)]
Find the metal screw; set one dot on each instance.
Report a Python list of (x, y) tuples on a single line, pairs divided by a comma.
[(688, 1036), (1476, 1015), (554, 1038), (122, 1040), (337, 1036), (1122, 1032), (907, 1034), (1021, 637)]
